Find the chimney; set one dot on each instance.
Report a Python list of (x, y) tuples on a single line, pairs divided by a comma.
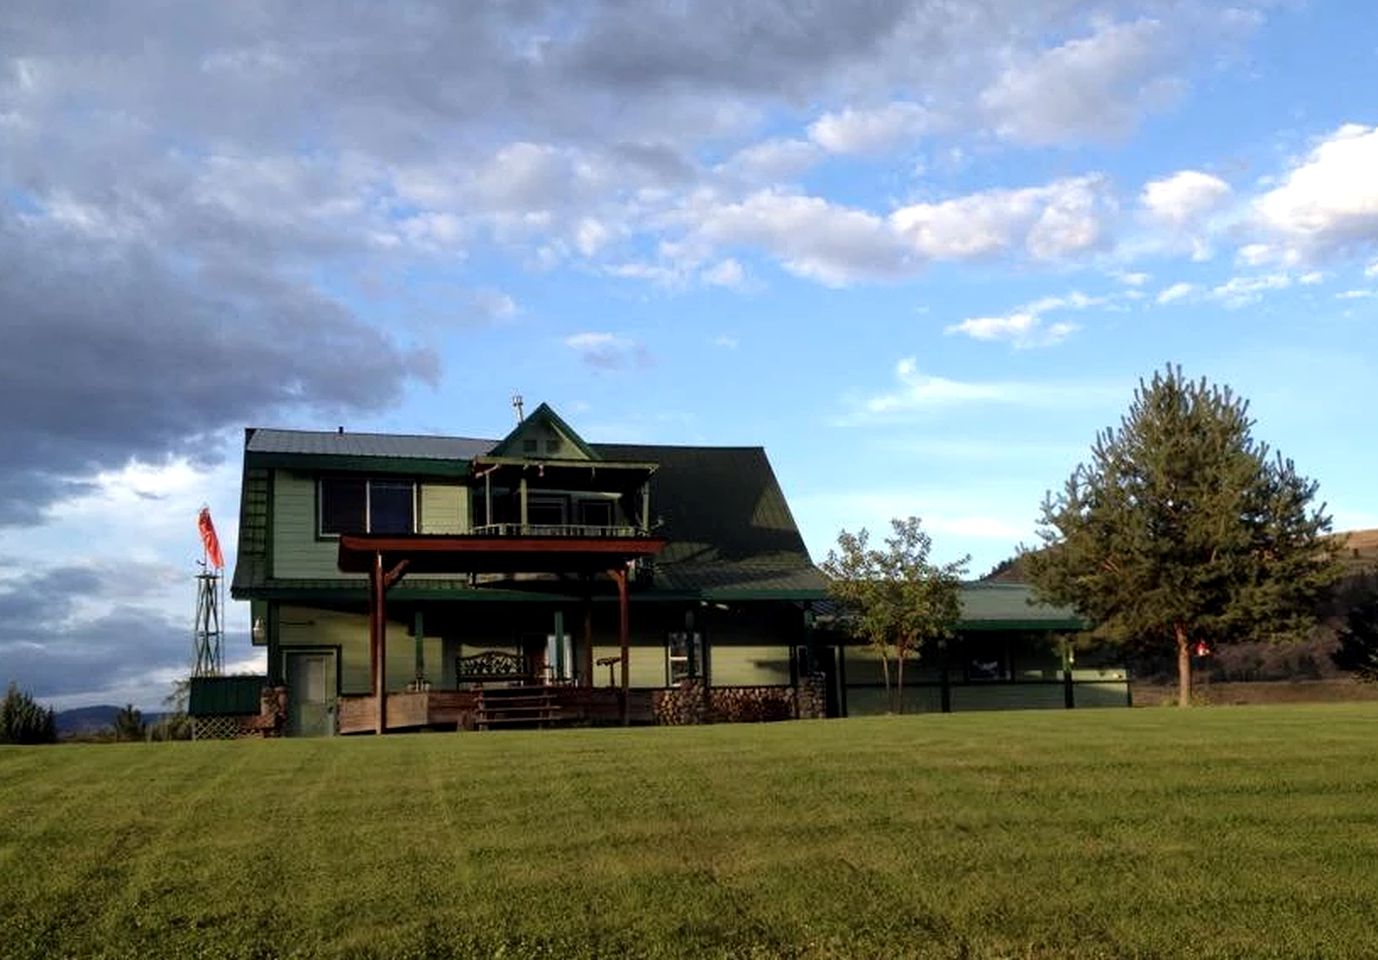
[(517, 406)]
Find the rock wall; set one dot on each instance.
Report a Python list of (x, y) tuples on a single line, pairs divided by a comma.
[(690, 704)]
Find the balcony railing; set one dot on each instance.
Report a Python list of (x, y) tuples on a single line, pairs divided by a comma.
[(554, 530)]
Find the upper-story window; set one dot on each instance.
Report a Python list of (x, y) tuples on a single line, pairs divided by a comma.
[(349, 505)]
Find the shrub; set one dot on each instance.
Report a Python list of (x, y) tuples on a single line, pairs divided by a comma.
[(24, 721)]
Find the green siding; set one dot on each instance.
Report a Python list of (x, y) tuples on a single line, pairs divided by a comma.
[(747, 664), (1007, 696), (645, 663), (296, 550), (309, 627), (444, 508), (1109, 694)]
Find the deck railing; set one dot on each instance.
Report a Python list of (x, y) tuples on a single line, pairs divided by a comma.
[(555, 530)]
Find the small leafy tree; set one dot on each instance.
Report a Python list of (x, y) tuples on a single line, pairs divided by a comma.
[(24, 721), (1183, 529), (129, 724), (895, 599)]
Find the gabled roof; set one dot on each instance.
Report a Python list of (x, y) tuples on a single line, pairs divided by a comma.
[(730, 531), (506, 447)]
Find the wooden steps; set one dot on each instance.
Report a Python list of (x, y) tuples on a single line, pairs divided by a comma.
[(528, 706)]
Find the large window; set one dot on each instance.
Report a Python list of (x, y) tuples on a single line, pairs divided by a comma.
[(547, 511), (683, 656), (595, 513), (349, 505)]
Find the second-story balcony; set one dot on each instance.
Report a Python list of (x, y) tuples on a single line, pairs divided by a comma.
[(584, 530)]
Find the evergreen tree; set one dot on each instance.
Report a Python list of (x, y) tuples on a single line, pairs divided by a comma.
[(895, 598), (129, 724), (1357, 651), (1182, 529), (24, 721)]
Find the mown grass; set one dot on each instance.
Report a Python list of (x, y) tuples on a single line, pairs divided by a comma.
[(1247, 832)]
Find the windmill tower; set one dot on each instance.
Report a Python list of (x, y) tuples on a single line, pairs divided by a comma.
[(208, 633)]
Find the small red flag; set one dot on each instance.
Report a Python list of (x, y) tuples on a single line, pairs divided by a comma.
[(208, 538)]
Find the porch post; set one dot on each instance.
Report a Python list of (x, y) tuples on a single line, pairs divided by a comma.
[(645, 508), (619, 576), (586, 652), (419, 634), (522, 488), (378, 642), (559, 664)]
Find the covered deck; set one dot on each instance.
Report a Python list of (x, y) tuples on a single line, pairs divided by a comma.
[(386, 559)]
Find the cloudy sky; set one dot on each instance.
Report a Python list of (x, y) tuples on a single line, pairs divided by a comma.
[(921, 250)]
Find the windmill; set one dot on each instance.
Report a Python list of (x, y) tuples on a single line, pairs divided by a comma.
[(208, 633)]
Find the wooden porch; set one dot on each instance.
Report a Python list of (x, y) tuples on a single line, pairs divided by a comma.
[(533, 706)]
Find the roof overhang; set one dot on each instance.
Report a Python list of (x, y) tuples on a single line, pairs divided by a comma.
[(621, 475), (484, 554)]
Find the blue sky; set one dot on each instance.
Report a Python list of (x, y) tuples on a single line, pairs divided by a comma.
[(919, 252)]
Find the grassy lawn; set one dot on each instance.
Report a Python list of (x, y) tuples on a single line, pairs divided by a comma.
[(1243, 832)]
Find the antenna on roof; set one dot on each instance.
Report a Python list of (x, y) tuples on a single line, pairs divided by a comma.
[(517, 406)]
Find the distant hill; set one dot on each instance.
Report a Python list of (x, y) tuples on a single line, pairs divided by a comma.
[(1360, 548), (81, 720)]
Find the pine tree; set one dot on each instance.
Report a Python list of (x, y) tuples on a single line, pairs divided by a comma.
[(23, 721), (129, 724), (1182, 529)]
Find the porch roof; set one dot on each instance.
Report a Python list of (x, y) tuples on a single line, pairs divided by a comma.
[(488, 554)]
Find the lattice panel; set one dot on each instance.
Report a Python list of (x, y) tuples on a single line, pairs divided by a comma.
[(218, 728)]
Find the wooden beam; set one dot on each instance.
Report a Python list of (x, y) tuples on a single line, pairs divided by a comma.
[(521, 486), (377, 624), (619, 576), (419, 635), (586, 652)]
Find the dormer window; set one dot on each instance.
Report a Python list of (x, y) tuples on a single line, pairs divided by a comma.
[(350, 505)]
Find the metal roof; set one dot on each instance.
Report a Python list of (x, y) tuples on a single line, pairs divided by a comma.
[(335, 443)]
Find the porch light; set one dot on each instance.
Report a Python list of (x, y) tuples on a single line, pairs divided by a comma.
[(257, 631)]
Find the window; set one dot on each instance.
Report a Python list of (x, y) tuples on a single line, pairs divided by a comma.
[(683, 656), (529, 445), (546, 511), (348, 505), (595, 513), (344, 506)]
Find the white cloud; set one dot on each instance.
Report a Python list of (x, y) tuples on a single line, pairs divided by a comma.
[(1182, 200), (1088, 89), (1242, 291), (726, 273), (813, 238), (725, 342), (917, 392), (871, 130), (771, 160), (1134, 279), (1311, 279), (1025, 326), (1328, 203), (607, 351), (1178, 291), (1020, 329), (1359, 294), (494, 304), (1372, 269), (1062, 218)]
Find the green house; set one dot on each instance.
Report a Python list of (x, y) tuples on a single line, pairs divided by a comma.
[(403, 582)]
